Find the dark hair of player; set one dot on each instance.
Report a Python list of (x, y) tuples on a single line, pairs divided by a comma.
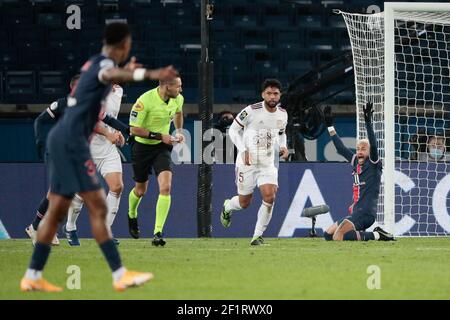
[(115, 33), (270, 83)]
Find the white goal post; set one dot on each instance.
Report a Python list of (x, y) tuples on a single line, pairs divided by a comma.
[(401, 60)]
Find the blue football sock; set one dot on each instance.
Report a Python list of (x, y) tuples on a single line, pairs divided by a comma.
[(366, 236), (327, 236), (109, 249), (350, 236), (40, 256)]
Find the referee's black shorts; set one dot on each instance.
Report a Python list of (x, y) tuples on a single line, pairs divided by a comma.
[(144, 157)]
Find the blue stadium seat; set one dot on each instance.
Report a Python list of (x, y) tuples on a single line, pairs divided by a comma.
[(1, 86), (50, 19), (309, 21), (20, 86), (52, 83)]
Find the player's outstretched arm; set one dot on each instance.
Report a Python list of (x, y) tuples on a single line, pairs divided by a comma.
[(338, 144), (368, 112), (39, 133), (133, 74), (117, 124)]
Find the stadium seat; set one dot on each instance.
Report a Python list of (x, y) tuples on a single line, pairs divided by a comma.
[(50, 19), (52, 83), (20, 86)]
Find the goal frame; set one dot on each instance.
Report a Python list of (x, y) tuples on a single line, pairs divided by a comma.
[(389, 98)]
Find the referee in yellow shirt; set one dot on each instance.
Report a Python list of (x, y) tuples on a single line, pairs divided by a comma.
[(150, 117)]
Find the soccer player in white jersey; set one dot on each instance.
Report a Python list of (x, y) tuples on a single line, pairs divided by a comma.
[(107, 160), (258, 133)]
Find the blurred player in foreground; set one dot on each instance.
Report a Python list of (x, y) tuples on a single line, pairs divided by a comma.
[(52, 115), (108, 163), (256, 131), (71, 169), (367, 169), (150, 120)]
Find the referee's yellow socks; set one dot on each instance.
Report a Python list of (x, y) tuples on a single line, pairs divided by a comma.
[(162, 210), (133, 203)]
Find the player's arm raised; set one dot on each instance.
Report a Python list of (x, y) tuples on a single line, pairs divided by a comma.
[(339, 145), (368, 112), (133, 72), (47, 116)]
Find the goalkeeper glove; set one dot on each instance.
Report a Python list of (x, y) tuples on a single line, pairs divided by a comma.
[(368, 112), (328, 116)]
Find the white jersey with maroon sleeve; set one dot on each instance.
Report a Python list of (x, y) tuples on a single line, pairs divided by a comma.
[(260, 135), (103, 152), (261, 131)]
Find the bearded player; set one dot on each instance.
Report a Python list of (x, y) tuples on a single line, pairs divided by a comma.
[(255, 132), (367, 170)]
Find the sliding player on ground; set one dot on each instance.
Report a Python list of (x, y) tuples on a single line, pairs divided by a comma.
[(367, 170), (150, 120), (255, 132), (71, 169)]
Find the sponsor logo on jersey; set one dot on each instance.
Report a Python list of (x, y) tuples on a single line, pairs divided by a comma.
[(133, 115)]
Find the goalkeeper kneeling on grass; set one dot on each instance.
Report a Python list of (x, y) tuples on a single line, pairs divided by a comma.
[(367, 169)]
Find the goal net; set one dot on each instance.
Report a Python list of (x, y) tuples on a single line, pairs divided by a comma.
[(401, 60)]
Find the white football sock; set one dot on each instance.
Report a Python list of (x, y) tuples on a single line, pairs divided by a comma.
[(264, 216), (112, 200), (33, 274), (233, 204), (118, 273), (74, 212)]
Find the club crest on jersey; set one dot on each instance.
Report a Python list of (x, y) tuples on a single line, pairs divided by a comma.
[(280, 124), (243, 115)]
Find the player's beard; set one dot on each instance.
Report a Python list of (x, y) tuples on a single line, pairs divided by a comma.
[(271, 104)]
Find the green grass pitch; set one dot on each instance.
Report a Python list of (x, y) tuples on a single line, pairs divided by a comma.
[(411, 268)]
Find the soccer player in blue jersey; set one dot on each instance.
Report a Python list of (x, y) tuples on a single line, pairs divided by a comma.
[(71, 169), (367, 169), (51, 115)]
